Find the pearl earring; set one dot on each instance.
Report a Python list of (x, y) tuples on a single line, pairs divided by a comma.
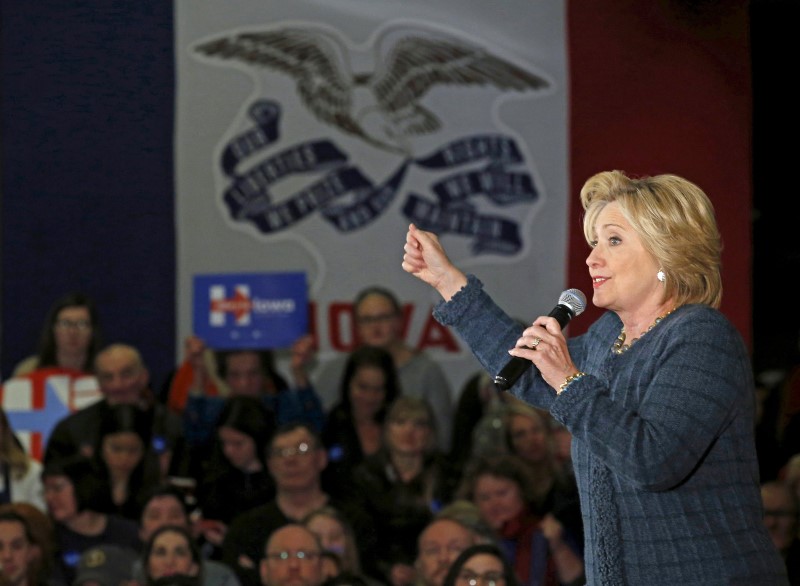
[(661, 276)]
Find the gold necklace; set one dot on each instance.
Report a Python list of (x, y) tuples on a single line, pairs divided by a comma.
[(619, 344)]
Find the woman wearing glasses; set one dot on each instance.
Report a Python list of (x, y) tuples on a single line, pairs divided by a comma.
[(70, 337), (481, 565)]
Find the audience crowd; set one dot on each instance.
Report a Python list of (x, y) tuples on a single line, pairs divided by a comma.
[(367, 471)]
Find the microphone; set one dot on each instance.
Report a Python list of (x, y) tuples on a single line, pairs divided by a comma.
[(572, 302)]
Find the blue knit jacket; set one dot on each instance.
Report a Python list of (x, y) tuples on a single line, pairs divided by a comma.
[(663, 444)]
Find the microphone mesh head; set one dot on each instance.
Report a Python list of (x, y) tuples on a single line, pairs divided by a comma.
[(574, 299)]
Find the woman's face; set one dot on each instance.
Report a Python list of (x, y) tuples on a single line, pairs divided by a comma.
[(244, 374), (378, 324), (623, 272), (330, 532), (239, 448), (122, 452), (408, 434), (159, 511), (59, 495), (171, 554), (367, 391), (73, 329), (481, 569), (528, 437), (499, 499)]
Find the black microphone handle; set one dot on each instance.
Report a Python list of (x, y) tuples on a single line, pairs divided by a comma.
[(516, 366)]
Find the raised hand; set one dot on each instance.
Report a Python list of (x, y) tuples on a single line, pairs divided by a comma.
[(426, 259)]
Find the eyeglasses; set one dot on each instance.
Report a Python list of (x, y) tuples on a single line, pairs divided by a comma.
[(303, 556), (487, 579), (302, 449), (81, 325), (366, 320)]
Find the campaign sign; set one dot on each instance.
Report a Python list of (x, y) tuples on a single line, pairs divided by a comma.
[(250, 310), (35, 402)]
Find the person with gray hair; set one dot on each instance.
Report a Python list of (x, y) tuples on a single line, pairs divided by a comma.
[(453, 529)]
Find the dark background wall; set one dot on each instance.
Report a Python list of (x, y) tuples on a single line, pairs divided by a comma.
[(776, 239), (87, 193), (87, 119)]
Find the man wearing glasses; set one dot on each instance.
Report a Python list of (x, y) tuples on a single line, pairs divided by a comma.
[(292, 558), (296, 460)]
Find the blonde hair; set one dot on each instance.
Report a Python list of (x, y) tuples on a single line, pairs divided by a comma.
[(11, 452), (349, 559), (409, 407), (675, 220)]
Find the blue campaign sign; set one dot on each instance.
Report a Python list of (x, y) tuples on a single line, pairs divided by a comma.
[(250, 310)]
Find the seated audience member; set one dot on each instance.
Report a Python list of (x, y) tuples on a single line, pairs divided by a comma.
[(781, 520), (165, 505), (20, 474), (529, 436), (456, 527), (540, 548), (20, 557), (125, 458), (171, 553), (205, 379), (296, 460), (70, 337), (123, 379), (292, 555), (379, 322), (478, 419), (482, 564), (41, 535), (105, 565), (78, 501), (403, 485), (354, 427), (236, 478), (336, 536)]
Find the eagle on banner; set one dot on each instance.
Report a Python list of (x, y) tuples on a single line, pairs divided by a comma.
[(381, 107)]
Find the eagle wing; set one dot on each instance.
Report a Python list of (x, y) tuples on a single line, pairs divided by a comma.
[(414, 64), (316, 60)]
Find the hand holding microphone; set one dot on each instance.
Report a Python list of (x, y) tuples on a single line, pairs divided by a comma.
[(572, 302)]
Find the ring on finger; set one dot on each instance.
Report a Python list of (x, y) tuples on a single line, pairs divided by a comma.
[(535, 343)]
